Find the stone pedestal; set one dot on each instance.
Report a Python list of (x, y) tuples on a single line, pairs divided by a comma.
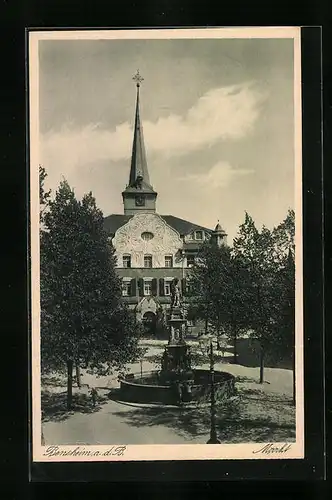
[(177, 324), (176, 362)]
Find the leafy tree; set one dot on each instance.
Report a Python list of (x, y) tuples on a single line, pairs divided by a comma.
[(44, 196), (284, 245), (268, 256), (203, 285), (218, 284), (255, 249), (284, 237), (84, 321), (286, 317)]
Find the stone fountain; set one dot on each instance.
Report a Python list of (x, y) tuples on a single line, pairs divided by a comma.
[(176, 382), (176, 368)]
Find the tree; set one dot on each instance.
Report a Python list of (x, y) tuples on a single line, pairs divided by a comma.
[(44, 196), (236, 304), (255, 248), (217, 287), (284, 238), (84, 321), (286, 317), (269, 257), (204, 286), (284, 245)]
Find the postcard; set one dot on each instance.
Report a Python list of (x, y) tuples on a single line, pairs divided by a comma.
[(166, 244)]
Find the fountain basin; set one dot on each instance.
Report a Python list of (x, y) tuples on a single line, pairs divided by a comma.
[(149, 389)]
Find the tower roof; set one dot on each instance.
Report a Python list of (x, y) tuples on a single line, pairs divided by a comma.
[(218, 228), (139, 174)]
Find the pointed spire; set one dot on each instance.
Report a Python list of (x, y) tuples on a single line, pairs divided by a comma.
[(139, 175)]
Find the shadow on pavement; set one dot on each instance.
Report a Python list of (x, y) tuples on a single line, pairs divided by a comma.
[(236, 419), (54, 405)]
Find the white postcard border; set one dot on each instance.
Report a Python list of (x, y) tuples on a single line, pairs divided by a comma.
[(158, 452)]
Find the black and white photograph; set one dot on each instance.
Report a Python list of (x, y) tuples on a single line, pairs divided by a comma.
[(166, 244)]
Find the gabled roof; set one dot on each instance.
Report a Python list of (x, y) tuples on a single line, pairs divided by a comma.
[(114, 221)]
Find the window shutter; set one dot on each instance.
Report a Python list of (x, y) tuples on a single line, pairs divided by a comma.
[(133, 287), (154, 286), (161, 287), (141, 287), (183, 285)]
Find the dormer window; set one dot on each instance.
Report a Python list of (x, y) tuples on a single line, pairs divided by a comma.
[(198, 235)]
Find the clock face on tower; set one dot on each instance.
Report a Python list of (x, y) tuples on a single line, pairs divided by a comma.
[(140, 201)]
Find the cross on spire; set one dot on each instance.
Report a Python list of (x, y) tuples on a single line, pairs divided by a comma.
[(138, 78)]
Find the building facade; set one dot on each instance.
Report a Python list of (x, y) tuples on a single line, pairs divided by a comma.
[(151, 249)]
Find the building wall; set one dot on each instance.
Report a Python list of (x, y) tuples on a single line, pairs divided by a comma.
[(165, 241), (158, 278)]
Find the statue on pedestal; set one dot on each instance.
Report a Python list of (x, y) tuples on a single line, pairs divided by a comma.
[(175, 294)]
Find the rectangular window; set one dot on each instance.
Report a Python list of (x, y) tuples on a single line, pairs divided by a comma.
[(168, 261), (126, 288), (167, 288), (190, 260), (147, 287), (199, 235), (126, 260), (148, 261)]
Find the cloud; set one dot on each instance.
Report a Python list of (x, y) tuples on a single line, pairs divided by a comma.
[(220, 175), (221, 114), (227, 113)]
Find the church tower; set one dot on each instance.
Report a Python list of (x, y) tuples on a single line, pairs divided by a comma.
[(138, 196)]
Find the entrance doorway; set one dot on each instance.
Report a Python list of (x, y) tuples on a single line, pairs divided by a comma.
[(149, 323)]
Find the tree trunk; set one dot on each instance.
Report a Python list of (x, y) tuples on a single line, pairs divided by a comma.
[(206, 322), (69, 384), (235, 347), (261, 365), (78, 376)]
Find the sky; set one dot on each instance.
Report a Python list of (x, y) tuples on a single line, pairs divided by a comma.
[(217, 114)]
